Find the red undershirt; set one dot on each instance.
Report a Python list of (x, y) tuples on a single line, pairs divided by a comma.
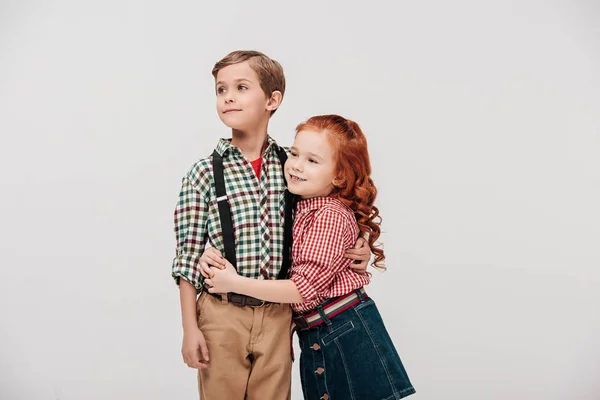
[(256, 164)]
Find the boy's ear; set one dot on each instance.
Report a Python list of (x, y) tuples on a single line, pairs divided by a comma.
[(274, 101)]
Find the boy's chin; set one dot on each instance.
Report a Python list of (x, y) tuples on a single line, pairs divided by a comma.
[(234, 125), (238, 125)]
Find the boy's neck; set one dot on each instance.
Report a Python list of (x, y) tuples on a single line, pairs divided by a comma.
[(251, 143)]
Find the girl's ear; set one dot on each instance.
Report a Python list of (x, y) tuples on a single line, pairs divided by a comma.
[(274, 101), (337, 182)]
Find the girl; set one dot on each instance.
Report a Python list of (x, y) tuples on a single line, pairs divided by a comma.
[(346, 350)]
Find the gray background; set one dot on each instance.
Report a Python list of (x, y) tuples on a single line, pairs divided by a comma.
[(483, 124)]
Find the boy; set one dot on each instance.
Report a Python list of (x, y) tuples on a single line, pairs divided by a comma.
[(249, 340)]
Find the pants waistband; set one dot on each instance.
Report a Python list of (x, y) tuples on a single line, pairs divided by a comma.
[(241, 300)]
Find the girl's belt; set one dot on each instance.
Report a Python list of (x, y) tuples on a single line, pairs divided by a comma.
[(330, 308)]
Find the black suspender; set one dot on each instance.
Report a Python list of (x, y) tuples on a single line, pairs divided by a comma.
[(227, 224), (290, 204), (224, 209)]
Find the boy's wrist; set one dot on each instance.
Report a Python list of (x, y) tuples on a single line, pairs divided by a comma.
[(188, 327)]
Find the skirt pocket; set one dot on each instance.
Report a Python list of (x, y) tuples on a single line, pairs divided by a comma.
[(337, 333)]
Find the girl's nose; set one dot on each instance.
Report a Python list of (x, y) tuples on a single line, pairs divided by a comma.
[(298, 166)]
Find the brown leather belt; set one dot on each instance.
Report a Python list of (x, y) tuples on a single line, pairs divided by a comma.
[(241, 300)]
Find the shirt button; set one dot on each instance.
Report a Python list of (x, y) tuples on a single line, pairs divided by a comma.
[(315, 347)]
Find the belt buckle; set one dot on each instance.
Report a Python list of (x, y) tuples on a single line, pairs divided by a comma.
[(250, 298), (301, 323)]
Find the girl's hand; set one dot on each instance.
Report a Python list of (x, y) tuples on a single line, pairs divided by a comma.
[(211, 258), (223, 280), (361, 253)]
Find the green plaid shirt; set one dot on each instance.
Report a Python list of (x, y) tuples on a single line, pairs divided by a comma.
[(257, 209)]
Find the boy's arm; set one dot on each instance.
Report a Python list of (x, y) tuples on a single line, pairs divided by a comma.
[(193, 339), (191, 220), (187, 297), (191, 216)]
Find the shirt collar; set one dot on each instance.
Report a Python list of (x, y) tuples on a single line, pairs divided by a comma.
[(224, 147), (314, 203)]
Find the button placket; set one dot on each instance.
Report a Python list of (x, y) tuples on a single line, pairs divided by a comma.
[(318, 364)]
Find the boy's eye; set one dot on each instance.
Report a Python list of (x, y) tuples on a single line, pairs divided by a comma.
[(293, 154), (312, 160), (242, 87), (220, 89)]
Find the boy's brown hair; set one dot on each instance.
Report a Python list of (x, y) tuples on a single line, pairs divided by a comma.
[(269, 71)]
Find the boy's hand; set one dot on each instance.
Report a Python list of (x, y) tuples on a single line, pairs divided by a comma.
[(222, 280), (361, 253), (211, 258), (194, 349)]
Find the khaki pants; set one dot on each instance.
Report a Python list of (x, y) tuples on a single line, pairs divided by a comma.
[(249, 351)]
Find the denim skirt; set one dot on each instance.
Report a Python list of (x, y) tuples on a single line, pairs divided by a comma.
[(351, 357)]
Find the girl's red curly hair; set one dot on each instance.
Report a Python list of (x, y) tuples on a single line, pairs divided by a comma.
[(353, 185)]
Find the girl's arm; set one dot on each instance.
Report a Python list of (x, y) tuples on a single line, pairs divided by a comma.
[(323, 248), (276, 291)]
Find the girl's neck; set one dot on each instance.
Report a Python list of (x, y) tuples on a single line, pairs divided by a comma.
[(250, 142)]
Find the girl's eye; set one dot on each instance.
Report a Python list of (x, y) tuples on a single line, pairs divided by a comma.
[(293, 154), (313, 161), (220, 90), (242, 87)]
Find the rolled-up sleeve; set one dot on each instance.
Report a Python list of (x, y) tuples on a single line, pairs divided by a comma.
[(322, 254), (191, 218)]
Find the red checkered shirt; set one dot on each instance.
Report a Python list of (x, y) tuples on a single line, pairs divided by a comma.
[(324, 228)]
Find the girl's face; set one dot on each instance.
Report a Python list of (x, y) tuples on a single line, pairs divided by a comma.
[(310, 168)]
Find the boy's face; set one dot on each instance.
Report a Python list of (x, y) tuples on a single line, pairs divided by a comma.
[(310, 168), (241, 102)]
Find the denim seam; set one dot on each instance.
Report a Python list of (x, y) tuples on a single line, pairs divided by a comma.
[(381, 359), (363, 304), (401, 393), (339, 346), (341, 328), (409, 389), (303, 371)]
